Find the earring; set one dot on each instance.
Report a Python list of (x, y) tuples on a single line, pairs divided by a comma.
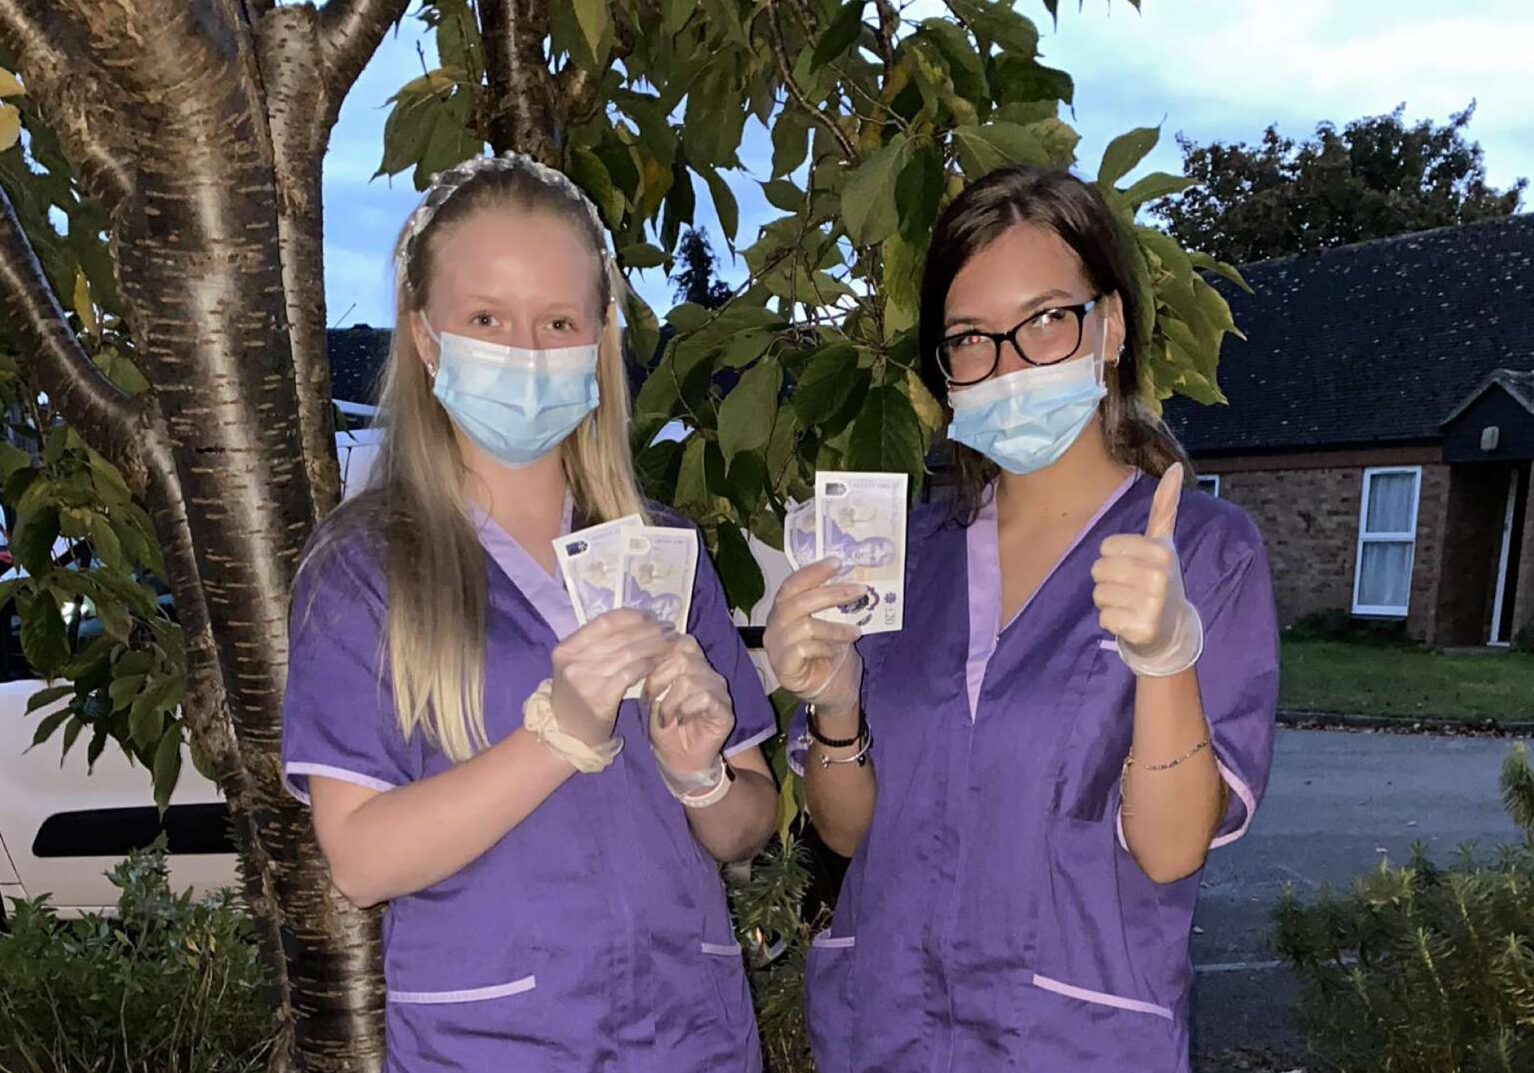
[(431, 371)]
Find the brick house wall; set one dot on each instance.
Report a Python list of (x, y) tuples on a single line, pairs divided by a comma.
[(1307, 508)]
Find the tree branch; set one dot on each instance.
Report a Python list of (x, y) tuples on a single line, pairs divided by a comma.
[(785, 72), (63, 76), (350, 32), (54, 362), (521, 94)]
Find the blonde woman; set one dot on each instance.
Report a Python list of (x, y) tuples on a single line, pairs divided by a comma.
[(546, 849)]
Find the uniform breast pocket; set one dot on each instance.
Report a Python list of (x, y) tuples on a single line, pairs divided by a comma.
[(1097, 710)]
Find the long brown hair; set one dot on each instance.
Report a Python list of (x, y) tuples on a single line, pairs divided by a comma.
[(433, 561), (1074, 210)]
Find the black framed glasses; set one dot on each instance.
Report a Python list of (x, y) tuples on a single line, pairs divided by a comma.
[(1046, 338)]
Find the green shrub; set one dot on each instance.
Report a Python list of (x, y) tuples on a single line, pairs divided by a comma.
[(168, 985), (1421, 969), (1339, 625), (1523, 640)]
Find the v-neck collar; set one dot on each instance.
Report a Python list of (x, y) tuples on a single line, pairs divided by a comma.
[(545, 591), (983, 567)]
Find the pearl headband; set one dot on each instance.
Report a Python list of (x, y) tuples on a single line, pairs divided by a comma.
[(448, 182)]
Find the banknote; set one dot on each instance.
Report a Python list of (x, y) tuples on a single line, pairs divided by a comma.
[(860, 519), (590, 562), (657, 570), (799, 534)]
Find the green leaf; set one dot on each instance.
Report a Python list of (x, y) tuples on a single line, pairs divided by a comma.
[(71, 735), (1017, 79), (33, 539), (983, 149), (642, 255), (44, 697), (146, 725), (965, 66), (97, 746), (919, 192), (868, 202), (724, 202), (692, 495), (887, 435), (827, 382), (593, 19), (44, 640), (747, 413), (1157, 184), (1168, 252), (124, 688), (1001, 23), (108, 482), (1209, 264), (49, 724), (738, 569), (674, 15), (782, 194), (406, 132), (588, 172), (839, 36), (1124, 153), (105, 544), (12, 458), (167, 768), (790, 141)]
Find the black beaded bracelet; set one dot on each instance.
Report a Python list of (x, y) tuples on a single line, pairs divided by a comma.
[(836, 743)]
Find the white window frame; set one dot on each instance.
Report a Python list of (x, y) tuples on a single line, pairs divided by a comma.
[(1205, 485), (1404, 537)]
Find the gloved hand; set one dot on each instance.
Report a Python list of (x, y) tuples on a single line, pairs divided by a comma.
[(690, 712), (1139, 591), (813, 659), (596, 664)]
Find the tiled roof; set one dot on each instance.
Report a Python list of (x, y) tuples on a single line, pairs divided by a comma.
[(1371, 344)]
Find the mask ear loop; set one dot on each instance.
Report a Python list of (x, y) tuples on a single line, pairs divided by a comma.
[(431, 363)]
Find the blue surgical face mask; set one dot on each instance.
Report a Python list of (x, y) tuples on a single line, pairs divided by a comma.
[(1024, 421), (517, 404)]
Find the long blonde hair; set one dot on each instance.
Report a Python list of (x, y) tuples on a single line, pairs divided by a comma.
[(434, 564)]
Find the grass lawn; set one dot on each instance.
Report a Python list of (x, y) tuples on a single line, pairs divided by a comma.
[(1333, 676)]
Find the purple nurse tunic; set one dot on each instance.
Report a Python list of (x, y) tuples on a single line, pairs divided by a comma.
[(595, 935), (992, 917)]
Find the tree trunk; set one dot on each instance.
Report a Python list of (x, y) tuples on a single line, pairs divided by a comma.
[(201, 124)]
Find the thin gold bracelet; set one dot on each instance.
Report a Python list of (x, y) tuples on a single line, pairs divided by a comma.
[(1129, 761)]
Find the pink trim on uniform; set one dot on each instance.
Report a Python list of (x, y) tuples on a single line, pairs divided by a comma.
[(1101, 998), (751, 743), (834, 942), (477, 994), (1242, 791), (724, 950), (356, 778)]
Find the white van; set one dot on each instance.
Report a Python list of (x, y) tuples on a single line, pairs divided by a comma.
[(62, 830)]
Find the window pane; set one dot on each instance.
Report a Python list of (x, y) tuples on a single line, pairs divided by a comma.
[(1384, 573), (1391, 497)]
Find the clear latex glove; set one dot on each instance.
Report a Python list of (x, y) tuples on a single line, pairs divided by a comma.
[(1139, 591), (596, 664), (813, 659)]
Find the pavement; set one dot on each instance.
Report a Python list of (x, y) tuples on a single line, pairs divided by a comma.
[(1338, 802)]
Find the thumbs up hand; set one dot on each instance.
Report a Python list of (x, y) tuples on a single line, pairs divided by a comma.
[(1139, 591)]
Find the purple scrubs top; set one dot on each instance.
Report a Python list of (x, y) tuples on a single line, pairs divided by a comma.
[(595, 935), (992, 917)]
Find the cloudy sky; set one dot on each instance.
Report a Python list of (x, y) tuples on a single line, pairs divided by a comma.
[(1212, 69)]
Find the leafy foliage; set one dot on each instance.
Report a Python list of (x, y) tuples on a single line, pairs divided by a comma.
[(79, 994), (1421, 969), (86, 591), (876, 120), (1377, 176)]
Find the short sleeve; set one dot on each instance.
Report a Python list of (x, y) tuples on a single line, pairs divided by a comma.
[(338, 713), (710, 624), (1238, 681)]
